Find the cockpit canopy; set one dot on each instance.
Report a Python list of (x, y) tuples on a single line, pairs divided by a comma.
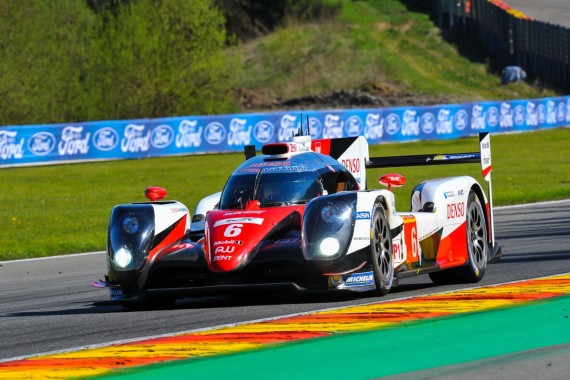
[(295, 180)]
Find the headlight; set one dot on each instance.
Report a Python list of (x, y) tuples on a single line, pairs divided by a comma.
[(131, 232), (123, 257), (328, 224)]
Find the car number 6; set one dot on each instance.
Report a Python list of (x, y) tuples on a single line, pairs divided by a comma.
[(233, 230)]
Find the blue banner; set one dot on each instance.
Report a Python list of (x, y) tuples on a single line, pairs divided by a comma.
[(111, 140)]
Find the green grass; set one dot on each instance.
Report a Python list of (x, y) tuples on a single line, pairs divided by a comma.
[(379, 46), (65, 209)]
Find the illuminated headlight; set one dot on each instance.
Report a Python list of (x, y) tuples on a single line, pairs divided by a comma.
[(329, 246), (328, 224), (123, 257)]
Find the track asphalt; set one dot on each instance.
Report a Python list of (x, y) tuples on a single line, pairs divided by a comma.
[(373, 340)]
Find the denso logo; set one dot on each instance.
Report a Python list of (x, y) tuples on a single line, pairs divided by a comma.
[(333, 127), (455, 210), (287, 128), (9, 148), (105, 139), (135, 140), (72, 141), (353, 126), (161, 136), (352, 164), (392, 124), (41, 143), (188, 135), (215, 133), (264, 131)]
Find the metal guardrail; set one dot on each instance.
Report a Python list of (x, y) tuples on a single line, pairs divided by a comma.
[(540, 48)]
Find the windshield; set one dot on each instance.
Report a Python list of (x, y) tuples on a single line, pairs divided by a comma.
[(273, 189)]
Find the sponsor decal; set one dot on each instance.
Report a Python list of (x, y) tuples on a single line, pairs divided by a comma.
[(316, 127), (333, 127), (135, 139), (270, 164), (335, 281), (374, 126), (287, 241), (73, 142), (455, 210), (428, 123), (222, 258), (179, 209), (9, 147), (410, 123), (295, 168), (477, 118), (189, 134), (360, 279), (444, 124), (454, 156), (448, 194), (392, 124), (354, 126), (287, 127), (493, 116), (460, 120), (245, 212), (225, 249), (161, 136), (264, 131), (362, 215), (244, 220), (41, 143), (531, 114), (239, 133), (215, 133), (352, 164), (460, 192), (228, 242), (105, 139), (506, 116), (519, 115)]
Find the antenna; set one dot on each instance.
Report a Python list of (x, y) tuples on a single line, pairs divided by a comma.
[(308, 126)]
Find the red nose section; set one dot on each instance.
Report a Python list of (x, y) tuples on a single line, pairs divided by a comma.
[(155, 193), (392, 180)]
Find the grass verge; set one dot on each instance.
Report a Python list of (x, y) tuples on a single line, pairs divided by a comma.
[(63, 209)]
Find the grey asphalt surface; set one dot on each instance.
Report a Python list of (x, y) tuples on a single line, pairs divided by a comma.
[(48, 304), (551, 11)]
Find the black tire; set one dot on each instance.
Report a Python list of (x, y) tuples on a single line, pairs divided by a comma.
[(381, 251), (477, 247)]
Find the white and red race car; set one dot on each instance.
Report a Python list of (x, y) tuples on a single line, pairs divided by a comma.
[(299, 216)]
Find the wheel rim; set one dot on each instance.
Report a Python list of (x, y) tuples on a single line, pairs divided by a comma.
[(476, 235), (382, 249)]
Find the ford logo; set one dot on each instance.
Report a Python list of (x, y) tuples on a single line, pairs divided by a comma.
[(162, 136), (215, 133), (41, 143), (264, 131), (105, 139), (353, 126), (392, 124)]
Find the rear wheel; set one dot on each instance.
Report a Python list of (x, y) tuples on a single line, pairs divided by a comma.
[(381, 251), (477, 248)]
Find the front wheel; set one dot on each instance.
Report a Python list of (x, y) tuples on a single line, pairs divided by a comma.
[(381, 251)]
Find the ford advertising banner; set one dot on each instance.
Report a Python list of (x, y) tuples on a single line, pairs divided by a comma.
[(112, 140)]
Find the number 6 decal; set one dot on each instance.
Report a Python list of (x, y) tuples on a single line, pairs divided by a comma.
[(233, 230)]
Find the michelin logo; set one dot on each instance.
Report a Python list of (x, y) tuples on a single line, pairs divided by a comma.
[(360, 279)]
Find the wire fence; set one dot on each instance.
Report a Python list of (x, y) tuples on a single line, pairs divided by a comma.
[(510, 37)]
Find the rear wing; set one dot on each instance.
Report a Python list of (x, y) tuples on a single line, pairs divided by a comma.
[(483, 157)]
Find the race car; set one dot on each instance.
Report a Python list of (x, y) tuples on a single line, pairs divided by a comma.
[(299, 216)]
